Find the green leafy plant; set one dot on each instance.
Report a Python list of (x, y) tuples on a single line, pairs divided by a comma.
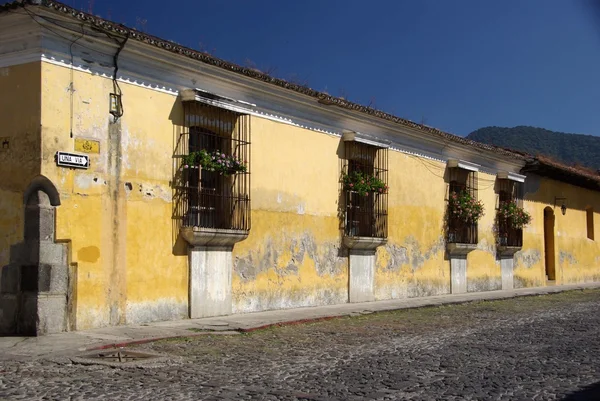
[(215, 161), (464, 207), (363, 183), (514, 215)]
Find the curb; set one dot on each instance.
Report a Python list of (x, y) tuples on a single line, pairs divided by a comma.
[(290, 323), (153, 339), (233, 331)]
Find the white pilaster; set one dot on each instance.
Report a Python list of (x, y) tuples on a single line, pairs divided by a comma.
[(210, 281)]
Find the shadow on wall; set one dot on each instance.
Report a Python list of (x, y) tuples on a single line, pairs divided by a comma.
[(35, 291), (591, 392), (342, 252), (573, 197), (179, 148)]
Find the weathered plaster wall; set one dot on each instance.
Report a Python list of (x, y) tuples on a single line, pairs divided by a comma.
[(414, 262), (292, 256), (484, 272), (19, 147), (577, 257), (117, 214)]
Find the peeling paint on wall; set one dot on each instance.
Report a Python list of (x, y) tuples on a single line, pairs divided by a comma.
[(418, 258), (527, 259), (397, 257), (290, 267), (567, 257)]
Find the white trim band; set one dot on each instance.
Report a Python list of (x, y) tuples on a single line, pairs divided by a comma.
[(352, 136), (507, 175), (463, 164)]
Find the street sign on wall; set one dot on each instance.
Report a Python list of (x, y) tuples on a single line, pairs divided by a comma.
[(65, 159)]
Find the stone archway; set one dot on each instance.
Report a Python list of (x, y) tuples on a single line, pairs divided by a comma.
[(35, 284)]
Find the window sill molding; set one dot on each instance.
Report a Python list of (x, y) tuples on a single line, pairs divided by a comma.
[(212, 237), (460, 249), (363, 243), (505, 250)]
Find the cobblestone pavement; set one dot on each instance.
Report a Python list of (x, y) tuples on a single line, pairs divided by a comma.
[(533, 348)]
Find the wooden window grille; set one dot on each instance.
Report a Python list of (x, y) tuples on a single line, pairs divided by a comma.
[(365, 215), (209, 199), (459, 231), (509, 191)]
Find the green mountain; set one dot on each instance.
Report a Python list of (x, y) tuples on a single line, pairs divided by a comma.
[(571, 149)]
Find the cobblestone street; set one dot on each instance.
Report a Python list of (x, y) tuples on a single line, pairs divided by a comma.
[(529, 348)]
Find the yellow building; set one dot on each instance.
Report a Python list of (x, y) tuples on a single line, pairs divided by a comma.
[(144, 181)]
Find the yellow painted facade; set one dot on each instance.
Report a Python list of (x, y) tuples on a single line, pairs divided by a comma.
[(577, 258), (130, 263), (117, 214), (132, 266)]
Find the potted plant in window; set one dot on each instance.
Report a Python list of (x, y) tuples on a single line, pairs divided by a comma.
[(216, 161), (464, 211), (515, 217), (462, 206), (510, 220), (363, 183)]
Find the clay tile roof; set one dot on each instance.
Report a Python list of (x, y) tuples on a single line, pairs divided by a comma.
[(576, 175)]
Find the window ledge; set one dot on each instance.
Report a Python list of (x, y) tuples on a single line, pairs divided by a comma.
[(458, 249), (364, 243), (214, 237), (505, 250)]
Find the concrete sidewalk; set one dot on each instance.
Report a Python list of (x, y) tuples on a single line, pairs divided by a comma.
[(73, 343)]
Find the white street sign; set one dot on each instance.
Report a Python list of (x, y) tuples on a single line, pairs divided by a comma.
[(65, 159)]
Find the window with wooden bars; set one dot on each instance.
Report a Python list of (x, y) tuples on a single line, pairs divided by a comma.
[(462, 180), (208, 197), (509, 191), (365, 209)]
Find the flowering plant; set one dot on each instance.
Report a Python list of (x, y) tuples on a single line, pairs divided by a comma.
[(215, 161), (464, 207), (514, 215), (363, 183)]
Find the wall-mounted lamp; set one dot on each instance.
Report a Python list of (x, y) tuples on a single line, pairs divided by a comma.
[(115, 105), (563, 206)]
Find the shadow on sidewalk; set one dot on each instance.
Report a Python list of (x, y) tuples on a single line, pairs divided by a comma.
[(591, 392)]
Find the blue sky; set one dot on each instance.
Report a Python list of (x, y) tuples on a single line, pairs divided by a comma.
[(456, 65)]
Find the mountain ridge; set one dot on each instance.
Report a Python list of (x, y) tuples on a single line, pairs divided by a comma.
[(571, 149)]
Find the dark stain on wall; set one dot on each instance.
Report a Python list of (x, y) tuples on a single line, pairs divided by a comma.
[(115, 291), (486, 283), (520, 282), (428, 288)]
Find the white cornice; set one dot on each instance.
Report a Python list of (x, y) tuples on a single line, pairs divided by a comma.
[(465, 165), (507, 175), (157, 69)]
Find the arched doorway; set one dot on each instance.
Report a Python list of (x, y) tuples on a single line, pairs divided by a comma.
[(549, 243)]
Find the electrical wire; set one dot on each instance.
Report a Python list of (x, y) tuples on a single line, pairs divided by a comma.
[(71, 87), (121, 44), (119, 113)]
